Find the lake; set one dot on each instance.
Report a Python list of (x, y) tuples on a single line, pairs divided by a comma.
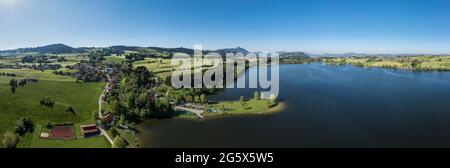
[(326, 106)]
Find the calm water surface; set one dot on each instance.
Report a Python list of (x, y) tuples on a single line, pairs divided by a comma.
[(327, 106)]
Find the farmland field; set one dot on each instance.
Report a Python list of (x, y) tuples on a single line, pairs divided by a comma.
[(64, 91)]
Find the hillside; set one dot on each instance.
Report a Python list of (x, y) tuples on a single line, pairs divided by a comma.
[(295, 54), (48, 49)]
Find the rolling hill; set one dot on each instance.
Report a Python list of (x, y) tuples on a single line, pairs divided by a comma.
[(48, 49)]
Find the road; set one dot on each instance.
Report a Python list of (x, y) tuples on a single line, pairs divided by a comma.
[(100, 101)]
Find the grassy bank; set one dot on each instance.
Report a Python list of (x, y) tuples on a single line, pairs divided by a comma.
[(235, 108)]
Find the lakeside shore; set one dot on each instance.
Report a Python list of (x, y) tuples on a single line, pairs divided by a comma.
[(269, 111), (416, 63)]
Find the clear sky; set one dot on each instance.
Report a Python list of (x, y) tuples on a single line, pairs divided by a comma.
[(315, 26)]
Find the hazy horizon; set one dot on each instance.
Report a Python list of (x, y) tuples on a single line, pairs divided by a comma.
[(310, 53), (317, 27)]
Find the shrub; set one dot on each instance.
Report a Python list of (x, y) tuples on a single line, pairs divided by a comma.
[(70, 109), (48, 125), (113, 132), (10, 140), (119, 142), (47, 102), (257, 96)]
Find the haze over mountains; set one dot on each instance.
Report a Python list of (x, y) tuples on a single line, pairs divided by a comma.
[(65, 49)]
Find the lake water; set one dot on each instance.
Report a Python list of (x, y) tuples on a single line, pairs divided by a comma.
[(327, 106)]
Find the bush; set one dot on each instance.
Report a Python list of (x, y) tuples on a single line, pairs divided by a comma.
[(48, 125), (70, 109), (47, 102), (119, 142), (10, 140), (113, 132), (257, 96)]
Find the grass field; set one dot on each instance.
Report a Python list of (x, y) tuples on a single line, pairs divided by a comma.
[(32, 140), (236, 107), (70, 59), (63, 90), (115, 59), (9, 60), (163, 67), (47, 75)]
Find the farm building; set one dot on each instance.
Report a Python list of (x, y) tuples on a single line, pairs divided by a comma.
[(89, 130)]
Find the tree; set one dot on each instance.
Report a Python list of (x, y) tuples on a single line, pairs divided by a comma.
[(130, 98), (203, 99), (242, 99), (113, 132), (116, 107), (13, 85), (119, 142), (142, 100), (24, 125), (177, 101), (70, 110), (257, 96), (48, 125), (122, 120), (126, 67), (163, 109), (47, 102), (10, 140), (197, 99), (13, 90), (415, 63), (272, 100)]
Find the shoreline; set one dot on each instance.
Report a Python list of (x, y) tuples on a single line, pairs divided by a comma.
[(390, 67), (273, 110), (380, 67)]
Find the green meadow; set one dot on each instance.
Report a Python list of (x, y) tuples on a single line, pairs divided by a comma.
[(250, 106), (161, 67), (164, 68), (63, 90), (114, 59), (32, 140)]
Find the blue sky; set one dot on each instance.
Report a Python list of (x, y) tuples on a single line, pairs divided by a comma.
[(315, 26)]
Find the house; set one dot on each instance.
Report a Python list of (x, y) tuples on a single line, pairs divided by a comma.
[(109, 118), (89, 130)]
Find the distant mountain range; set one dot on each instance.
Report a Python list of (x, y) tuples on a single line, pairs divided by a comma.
[(64, 49)]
